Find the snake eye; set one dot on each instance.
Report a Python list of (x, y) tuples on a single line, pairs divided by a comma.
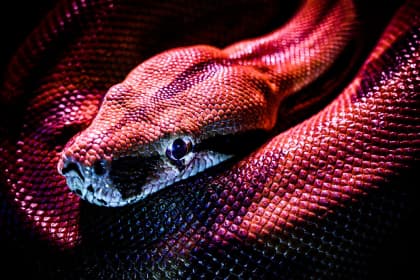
[(179, 148)]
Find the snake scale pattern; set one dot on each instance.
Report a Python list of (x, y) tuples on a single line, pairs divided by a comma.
[(318, 200)]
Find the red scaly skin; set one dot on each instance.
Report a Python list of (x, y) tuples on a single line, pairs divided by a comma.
[(195, 94), (310, 202)]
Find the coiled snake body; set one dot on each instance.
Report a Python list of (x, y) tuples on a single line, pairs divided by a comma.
[(313, 201)]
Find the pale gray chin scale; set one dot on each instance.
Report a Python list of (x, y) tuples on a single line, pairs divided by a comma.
[(98, 194)]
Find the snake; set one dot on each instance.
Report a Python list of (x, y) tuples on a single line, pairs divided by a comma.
[(159, 133), (188, 134)]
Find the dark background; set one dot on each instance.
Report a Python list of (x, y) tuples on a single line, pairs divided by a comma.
[(17, 19)]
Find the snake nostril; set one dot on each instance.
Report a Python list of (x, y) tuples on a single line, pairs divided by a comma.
[(72, 167), (99, 167)]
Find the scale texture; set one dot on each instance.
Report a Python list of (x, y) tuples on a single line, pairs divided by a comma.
[(318, 200)]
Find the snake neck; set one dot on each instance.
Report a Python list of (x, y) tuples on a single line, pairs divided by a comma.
[(298, 53)]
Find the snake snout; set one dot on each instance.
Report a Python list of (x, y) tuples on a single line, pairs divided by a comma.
[(91, 182), (74, 174)]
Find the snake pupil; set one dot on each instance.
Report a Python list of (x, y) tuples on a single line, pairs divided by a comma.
[(178, 149)]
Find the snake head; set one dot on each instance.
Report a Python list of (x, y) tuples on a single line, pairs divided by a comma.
[(175, 115)]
